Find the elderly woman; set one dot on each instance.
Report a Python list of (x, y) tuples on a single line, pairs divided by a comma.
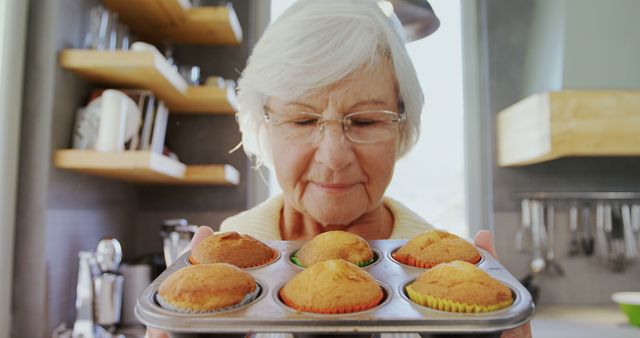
[(330, 101)]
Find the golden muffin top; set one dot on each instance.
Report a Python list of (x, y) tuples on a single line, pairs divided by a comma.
[(206, 287), (242, 251), (335, 245), (462, 282), (434, 247), (330, 285)]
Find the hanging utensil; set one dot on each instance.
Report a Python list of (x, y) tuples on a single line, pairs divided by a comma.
[(601, 247), (537, 261), (553, 267), (523, 236), (635, 221), (574, 244), (630, 247), (587, 232), (617, 254)]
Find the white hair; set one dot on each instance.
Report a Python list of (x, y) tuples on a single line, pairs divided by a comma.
[(315, 43)]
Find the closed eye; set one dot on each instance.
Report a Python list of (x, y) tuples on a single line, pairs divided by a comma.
[(363, 122), (304, 121)]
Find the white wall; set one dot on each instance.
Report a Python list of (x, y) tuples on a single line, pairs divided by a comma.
[(13, 19)]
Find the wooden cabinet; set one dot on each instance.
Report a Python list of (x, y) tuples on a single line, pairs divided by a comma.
[(552, 125), (176, 21)]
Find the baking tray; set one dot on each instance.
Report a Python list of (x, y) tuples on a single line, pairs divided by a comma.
[(395, 314)]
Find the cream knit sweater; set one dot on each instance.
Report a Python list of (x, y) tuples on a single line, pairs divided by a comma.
[(263, 221)]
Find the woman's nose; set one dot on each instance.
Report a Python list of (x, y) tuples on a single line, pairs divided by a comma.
[(334, 149)]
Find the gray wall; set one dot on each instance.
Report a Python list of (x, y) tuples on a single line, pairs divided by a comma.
[(509, 24), (60, 212), (13, 29)]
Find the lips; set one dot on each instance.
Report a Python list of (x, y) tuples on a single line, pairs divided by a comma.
[(334, 187)]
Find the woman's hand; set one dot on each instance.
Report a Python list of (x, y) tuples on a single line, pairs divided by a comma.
[(200, 234), (484, 240)]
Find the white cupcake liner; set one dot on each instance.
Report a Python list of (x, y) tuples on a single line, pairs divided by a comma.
[(248, 298)]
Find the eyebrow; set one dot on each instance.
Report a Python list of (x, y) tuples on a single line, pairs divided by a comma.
[(298, 103), (371, 102)]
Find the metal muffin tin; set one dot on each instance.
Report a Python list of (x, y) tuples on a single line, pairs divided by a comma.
[(396, 313)]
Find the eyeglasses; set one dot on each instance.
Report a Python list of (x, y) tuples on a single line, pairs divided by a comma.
[(359, 127)]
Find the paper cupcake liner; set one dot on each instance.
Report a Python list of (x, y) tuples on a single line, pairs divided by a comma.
[(297, 261), (268, 261), (336, 310), (248, 298), (452, 306), (408, 260)]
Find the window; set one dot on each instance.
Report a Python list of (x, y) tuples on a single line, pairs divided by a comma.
[(430, 180)]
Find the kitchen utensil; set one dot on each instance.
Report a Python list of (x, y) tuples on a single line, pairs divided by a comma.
[(629, 303), (523, 236), (396, 314), (587, 232), (630, 247), (109, 254), (602, 244), (176, 236), (91, 38), (553, 267), (112, 31), (635, 221), (574, 244), (119, 120), (107, 284), (617, 256), (617, 259), (108, 299), (124, 37), (84, 325), (136, 278), (537, 261), (191, 74)]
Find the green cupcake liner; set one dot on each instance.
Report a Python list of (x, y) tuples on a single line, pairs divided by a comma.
[(297, 262)]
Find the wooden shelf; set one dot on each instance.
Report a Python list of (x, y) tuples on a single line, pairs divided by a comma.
[(144, 167), (176, 21), (552, 125), (151, 71), (204, 100)]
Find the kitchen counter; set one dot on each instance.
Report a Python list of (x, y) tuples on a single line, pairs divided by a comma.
[(582, 321)]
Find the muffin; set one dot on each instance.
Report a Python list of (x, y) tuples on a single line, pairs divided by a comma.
[(434, 247), (459, 287), (335, 245), (207, 288), (331, 287), (242, 251)]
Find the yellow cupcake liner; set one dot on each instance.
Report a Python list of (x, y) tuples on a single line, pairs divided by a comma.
[(452, 306), (412, 261)]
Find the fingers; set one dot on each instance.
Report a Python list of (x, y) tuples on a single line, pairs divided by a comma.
[(155, 333), (484, 240), (523, 331), (201, 233)]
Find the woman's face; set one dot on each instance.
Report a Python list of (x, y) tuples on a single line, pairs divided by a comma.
[(335, 181)]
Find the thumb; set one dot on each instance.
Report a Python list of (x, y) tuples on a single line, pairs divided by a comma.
[(201, 233), (484, 240)]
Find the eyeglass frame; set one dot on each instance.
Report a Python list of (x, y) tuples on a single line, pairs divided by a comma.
[(345, 121)]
